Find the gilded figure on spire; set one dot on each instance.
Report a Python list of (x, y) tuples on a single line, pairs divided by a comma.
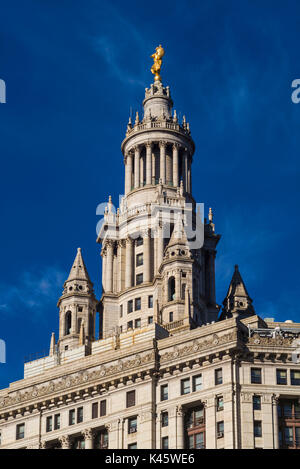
[(157, 58)]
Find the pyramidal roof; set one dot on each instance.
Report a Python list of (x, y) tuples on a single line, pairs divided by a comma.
[(237, 300), (237, 286), (178, 235), (79, 270)]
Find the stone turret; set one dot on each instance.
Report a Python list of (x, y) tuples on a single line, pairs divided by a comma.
[(77, 304), (237, 302)]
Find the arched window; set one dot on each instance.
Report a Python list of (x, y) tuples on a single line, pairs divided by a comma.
[(171, 289), (68, 322)]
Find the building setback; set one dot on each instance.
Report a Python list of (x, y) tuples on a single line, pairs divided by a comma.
[(171, 368)]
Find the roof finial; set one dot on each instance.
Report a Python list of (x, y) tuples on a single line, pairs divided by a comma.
[(210, 215), (137, 118), (157, 58)]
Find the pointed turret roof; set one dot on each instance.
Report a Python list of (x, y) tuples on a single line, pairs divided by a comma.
[(237, 301), (79, 270), (178, 235)]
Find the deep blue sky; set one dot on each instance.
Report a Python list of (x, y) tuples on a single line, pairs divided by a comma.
[(73, 69)]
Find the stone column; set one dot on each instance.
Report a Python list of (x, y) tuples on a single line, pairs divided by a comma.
[(172, 417), (162, 146), (88, 438), (175, 165), (148, 163), (136, 167), (180, 428), (128, 267), (210, 423), (190, 175), (120, 266), (160, 247), (147, 265), (103, 270), (177, 286), (128, 173), (113, 434), (275, 421), (141, 171), (64, 441), (153, 168), (185, 170), (109, 266)]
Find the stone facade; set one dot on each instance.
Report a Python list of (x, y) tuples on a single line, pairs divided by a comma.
[(168, 371)]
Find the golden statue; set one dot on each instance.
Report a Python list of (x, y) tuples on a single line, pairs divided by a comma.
[(157, 58)]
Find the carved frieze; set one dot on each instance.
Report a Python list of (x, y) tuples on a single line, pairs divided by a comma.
[(198, 345), (70, 381)]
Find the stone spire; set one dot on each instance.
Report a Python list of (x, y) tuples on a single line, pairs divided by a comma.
[(237, 301), (79, 270)]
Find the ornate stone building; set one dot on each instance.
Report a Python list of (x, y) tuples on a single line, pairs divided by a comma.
[(171, 368)]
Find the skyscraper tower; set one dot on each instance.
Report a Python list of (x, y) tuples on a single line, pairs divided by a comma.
[(151, 270)]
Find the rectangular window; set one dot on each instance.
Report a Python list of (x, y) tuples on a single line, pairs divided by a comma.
[(139, 260), (288, 436), (199, 440), (256, 375), (130, 399), (139, 279), (218, 376), (102, 408), (165, 442), (139, 242), (49, 424), (150, 319), (20, 431), (130, 325), (220, 429), (164, 419), (130, 306), (132, 425), (95, 410), (80, 414), (137, 304), (150, 301), (164, 394), (256, 403), (132, 446), (57, 422), (257, 428), (137, 323), (197, 383), (72, 417), (171, 317), (185, 386), (121, 311), (281, 376), (220, 403), (295, 378)]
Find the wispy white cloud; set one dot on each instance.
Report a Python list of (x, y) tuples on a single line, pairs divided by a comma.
[(32, 292)]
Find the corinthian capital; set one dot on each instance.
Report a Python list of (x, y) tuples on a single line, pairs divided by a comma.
[(162, 144), (65, 441), (87, 434)]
